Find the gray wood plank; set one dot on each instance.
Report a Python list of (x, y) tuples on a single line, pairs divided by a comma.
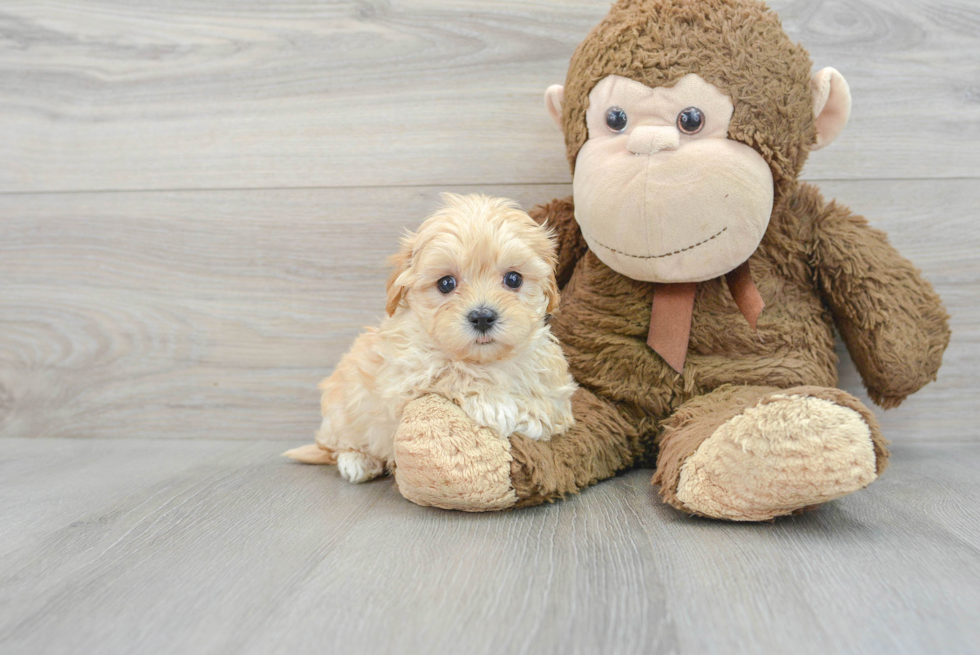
[(106, 94), (221, 547), (214, 314)]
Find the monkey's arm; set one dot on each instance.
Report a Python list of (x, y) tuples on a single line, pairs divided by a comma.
[(559, 215), (891, 319)]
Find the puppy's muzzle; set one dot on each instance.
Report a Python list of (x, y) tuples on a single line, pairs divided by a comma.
[(482, 319)]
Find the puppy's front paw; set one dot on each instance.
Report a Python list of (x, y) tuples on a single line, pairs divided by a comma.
[(356, 467), (532, 428), (499, 415), (542, 421)]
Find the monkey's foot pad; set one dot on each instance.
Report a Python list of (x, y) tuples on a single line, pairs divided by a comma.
[(442, 459), (784, 454)]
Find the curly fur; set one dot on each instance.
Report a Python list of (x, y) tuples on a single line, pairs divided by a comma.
[(514, 379)]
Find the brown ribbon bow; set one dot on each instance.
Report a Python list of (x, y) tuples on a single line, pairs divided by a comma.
[(673, 307)]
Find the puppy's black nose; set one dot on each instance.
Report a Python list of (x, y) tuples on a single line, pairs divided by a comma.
[(482, 319)]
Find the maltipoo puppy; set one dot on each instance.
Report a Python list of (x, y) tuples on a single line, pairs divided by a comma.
[(468, 306)]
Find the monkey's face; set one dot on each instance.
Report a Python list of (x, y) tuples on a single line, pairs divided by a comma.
[(661, 193)]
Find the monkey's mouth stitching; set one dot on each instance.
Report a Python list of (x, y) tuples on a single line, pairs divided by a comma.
[(666, 254)]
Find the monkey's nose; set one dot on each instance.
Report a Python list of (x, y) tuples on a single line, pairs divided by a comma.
[(482, 319), (647, 140)]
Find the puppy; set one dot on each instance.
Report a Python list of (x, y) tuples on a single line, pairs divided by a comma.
[(468, 303)]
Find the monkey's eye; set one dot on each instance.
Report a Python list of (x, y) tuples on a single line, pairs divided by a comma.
[(616, 119), (446, 284), (513, 280), (690, 121)]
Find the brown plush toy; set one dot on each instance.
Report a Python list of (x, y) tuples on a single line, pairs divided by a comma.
[(701, 285)]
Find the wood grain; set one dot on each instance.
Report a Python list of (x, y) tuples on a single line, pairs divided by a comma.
[(222, 547), (196, 202), (214, 314), (113, 95)]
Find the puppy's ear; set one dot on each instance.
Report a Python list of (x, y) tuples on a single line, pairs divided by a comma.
[(400, 262), (551, 293), (546, 246)]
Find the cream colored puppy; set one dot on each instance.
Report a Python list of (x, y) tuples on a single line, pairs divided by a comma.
[(468, 301)]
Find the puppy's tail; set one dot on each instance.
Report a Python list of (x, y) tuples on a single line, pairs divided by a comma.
[(311, 454)]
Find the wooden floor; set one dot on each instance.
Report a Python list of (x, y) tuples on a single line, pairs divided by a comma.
[(196, 202), (158, 546)]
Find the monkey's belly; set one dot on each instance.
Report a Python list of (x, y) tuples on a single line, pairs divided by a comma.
[(603, 325)]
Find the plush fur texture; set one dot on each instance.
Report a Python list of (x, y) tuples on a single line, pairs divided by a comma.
[(773, 452), (443, 462), (818, 267), (778, 457), (512, 378), (605, 442), (739, 47)]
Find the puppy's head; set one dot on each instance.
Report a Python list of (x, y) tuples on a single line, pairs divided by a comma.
[(479, 274)]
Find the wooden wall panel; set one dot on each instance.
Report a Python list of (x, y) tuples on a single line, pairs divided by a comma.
[(114, 95), (214, 314)]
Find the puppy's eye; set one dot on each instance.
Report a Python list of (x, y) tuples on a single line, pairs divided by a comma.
[(690, 121), (446, 284), (616, 119), (513, 280)]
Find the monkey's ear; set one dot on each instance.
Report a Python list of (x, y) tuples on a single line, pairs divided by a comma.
[(831, 105), (553, 99), (401, 261)]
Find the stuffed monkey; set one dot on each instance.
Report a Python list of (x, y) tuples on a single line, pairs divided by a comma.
[(701, 285)]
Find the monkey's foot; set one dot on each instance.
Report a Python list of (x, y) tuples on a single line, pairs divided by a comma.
[(443, 459), (786, 451)]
